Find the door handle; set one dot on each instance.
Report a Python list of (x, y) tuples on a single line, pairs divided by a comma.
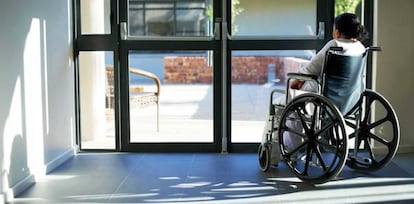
[(217, 29), (123, 30), (321, 30)]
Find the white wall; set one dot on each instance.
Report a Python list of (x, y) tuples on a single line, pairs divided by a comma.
[(395, 70), (37, 117)]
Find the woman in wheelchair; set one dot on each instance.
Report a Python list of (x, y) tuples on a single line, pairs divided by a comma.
[(347, 33), (312, 132)]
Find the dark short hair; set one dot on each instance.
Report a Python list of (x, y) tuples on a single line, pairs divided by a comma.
[(348, 24)]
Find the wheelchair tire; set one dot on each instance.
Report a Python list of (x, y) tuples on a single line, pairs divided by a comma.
[(312, 138), (382, 133), (263, 154)]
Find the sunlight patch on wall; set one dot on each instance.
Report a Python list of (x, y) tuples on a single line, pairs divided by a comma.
[(12, 128), (33, 93)]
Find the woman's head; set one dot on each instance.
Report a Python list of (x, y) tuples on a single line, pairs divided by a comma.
[(349, 27)]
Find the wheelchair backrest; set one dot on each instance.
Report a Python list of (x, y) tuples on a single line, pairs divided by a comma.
[(343, 79)]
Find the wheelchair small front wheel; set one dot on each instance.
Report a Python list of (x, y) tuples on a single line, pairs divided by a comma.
[(312, 138), (377, 139), (263, 154)]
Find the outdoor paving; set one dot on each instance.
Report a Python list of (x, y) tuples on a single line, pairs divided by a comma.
[(186, 113)]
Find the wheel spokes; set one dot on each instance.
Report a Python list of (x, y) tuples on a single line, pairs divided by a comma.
[(296, 150), (367, 114), (319, 125), (350, 124), (325, 128), (326, 145), (314, 118), (379, 139), (382, 133), (302, 120), (320, 159), (308, 159), (377, 123), (294, 131)]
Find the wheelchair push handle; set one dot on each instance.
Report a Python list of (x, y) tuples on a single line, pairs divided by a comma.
[(374, 49), (335, 48)]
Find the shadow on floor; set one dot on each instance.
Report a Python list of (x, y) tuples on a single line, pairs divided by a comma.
[(207, 178)]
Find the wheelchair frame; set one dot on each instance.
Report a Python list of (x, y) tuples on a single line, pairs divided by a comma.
[(322, 142)]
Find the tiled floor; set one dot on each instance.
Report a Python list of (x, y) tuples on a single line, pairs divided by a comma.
[(210, 178)]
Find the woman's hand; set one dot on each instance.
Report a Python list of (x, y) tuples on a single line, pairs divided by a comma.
[(296, 84)]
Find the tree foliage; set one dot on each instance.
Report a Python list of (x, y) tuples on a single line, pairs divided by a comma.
[(235, 11), (346, 6)]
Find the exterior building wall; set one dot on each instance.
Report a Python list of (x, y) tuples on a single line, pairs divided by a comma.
[(245, 69)]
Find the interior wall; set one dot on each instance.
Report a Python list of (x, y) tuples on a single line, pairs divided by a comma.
[(37, 112), (394, 70)]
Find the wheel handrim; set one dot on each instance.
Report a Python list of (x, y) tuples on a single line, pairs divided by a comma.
[(322, 151), (378, 140)]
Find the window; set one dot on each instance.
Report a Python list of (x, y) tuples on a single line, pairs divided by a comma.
[(167, 18)]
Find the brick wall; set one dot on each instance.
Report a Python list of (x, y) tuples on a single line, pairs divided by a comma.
[(245, 69), (289, 64), (251, 69), (187, 70)]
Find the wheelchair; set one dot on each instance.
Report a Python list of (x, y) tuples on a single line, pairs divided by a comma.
[(343, 123)]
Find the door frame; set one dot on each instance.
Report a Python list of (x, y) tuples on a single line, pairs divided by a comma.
[(222, 47), (127, 44)]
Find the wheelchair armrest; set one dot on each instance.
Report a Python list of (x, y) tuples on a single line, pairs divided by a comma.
[(278, 90), (303, 77)]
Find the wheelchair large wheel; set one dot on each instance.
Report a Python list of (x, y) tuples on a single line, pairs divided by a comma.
[(312, 138), (263, 154), (378, 138)]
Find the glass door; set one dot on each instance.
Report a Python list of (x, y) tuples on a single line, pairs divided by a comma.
[(261, 54), (190, 75), (267, 40), (96, 74), (170, 75), (216, 66)]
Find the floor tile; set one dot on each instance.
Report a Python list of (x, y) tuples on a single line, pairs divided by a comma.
[(211, 178)]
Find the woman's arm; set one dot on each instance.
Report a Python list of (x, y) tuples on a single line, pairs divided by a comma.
[(296, 84), (316, 63)]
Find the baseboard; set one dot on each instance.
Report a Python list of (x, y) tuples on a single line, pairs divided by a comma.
[(2, 198), (21, 186), (59, 160), (30, 179)]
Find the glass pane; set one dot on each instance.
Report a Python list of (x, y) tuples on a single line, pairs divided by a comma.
[(96, 82), (350, 6), (285, 18), (192, 4), (159, 22), (136, 22), (190, 23), (95, 16), (169, 18), (170, 97), (159, 5), (254, 74)]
